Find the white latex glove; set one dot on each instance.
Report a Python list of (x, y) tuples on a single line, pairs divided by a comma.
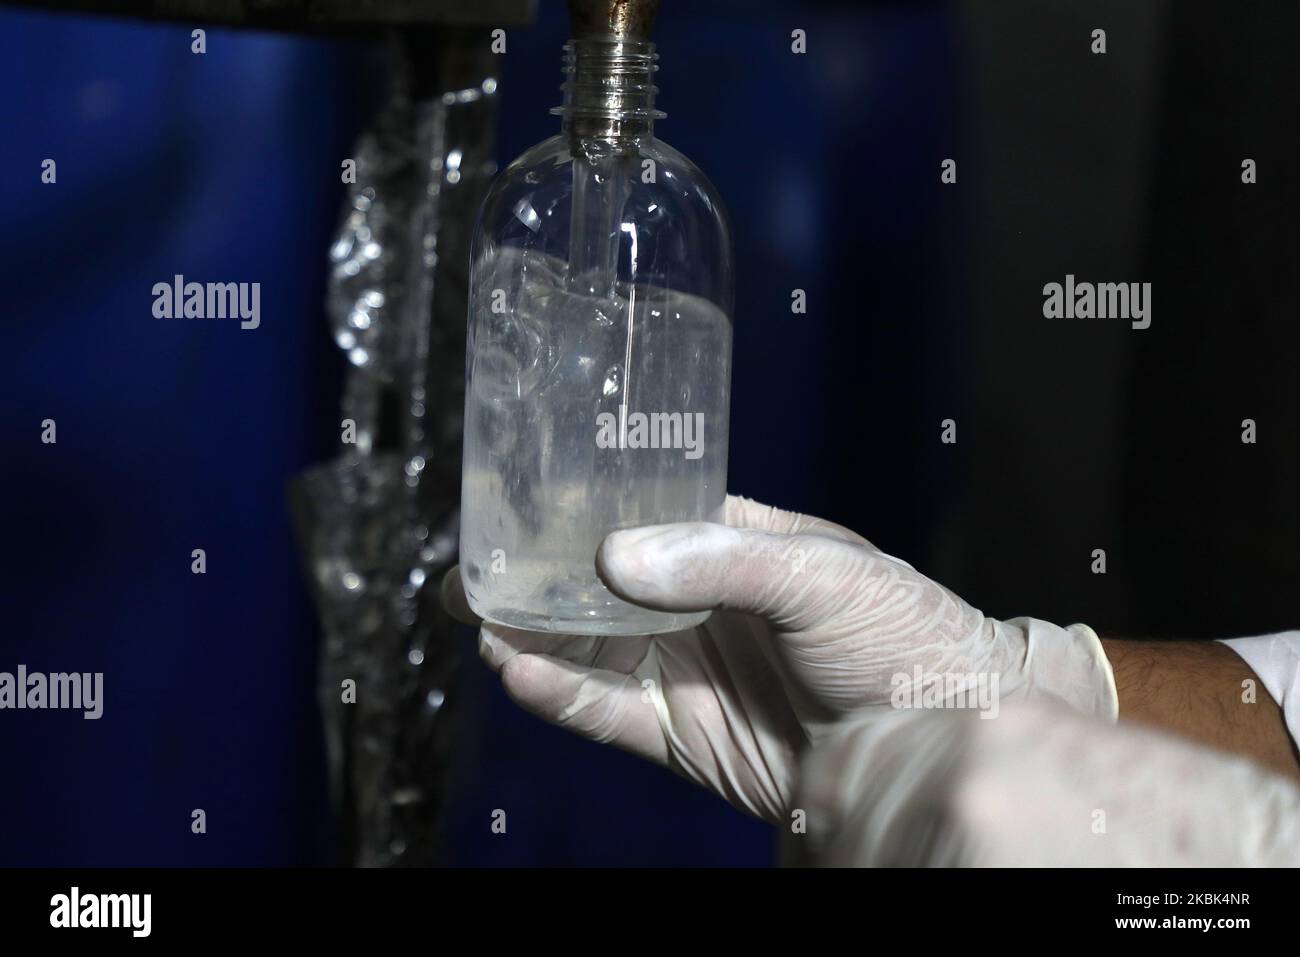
[(814, 623), (1040, 786)]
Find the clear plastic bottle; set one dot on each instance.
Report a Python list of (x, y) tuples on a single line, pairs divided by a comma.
[(599, 354)]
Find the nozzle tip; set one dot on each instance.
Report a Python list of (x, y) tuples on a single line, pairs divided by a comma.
[(624, 19)]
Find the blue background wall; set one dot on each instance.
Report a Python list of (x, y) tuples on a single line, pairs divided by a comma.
[(174, 435)]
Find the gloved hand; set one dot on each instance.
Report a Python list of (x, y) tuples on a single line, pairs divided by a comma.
[(813, 624), (1040, 787)]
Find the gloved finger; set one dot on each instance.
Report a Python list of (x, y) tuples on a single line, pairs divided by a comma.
[(875, 792), (793, 581), (597, 703), (452, 594), (741, 512)]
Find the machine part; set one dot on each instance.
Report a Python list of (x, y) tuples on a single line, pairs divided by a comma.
[(630, 20), (307, 14)]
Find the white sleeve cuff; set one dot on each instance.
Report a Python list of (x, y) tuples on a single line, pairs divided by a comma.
[(1276, 659)]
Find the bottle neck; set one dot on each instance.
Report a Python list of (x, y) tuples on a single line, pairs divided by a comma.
[(609, 91)]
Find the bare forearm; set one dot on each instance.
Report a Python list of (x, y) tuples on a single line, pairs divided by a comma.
[(1199, 690)]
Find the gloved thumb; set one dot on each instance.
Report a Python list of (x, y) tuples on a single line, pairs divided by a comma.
[(796, 582)]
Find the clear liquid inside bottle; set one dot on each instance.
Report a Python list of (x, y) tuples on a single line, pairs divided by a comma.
[(598, 371)]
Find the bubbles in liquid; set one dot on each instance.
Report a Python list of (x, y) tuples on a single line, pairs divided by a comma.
[(509, 359), (537, 486)]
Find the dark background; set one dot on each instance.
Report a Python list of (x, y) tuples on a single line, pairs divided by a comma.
[(924, 303)]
